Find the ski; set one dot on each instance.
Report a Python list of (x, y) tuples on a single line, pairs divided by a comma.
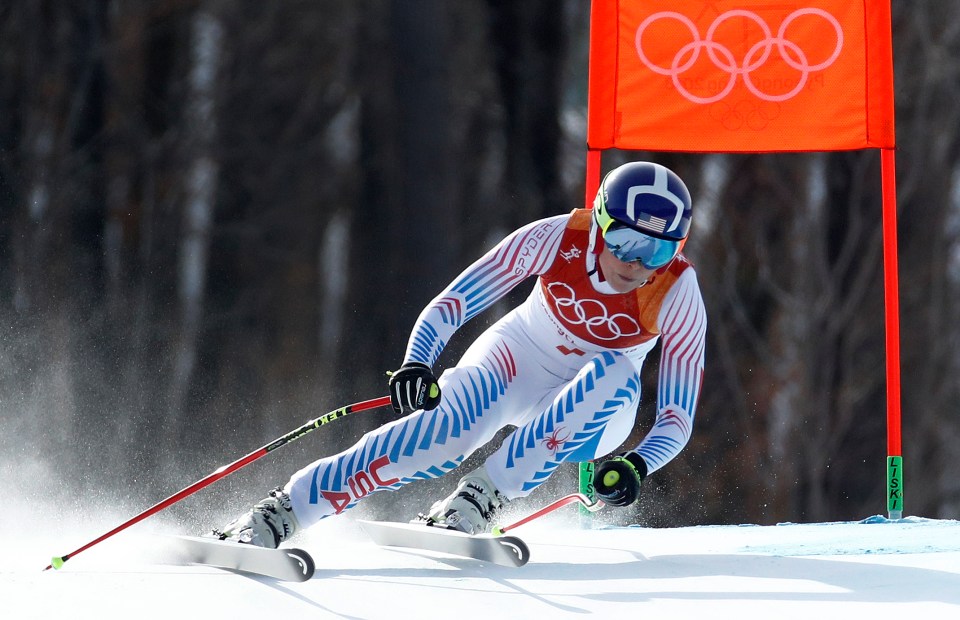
[(282, 564), (501, 550)]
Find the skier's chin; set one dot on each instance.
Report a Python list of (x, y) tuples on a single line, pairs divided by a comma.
[(623, 284)]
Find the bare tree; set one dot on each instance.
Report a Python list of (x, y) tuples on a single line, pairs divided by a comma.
[(206, 43)]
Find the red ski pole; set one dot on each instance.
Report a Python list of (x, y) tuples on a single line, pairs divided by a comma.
[(226, 470), (560, 503)]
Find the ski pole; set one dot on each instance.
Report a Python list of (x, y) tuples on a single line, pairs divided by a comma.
[(592, 506), (226, 470)]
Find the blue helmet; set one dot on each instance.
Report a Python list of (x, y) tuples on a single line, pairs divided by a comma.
[(647, 197), (643, 213)]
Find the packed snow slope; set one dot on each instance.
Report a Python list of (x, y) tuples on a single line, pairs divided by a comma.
[(875, 568)]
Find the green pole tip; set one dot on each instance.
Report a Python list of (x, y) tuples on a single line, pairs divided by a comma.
[(57, 563), (496, 531)]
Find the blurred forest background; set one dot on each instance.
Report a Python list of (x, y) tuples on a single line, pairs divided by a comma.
[(220, 218)]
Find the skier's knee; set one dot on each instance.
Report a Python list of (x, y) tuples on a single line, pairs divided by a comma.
[(614, 367)]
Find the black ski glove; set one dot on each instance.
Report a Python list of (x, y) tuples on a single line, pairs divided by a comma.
[(617, 481), (413, 387)]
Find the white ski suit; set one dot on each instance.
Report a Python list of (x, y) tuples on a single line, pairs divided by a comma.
[(563, 367)]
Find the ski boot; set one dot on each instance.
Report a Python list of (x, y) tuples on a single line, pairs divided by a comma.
[(471, 507), (269, 523)]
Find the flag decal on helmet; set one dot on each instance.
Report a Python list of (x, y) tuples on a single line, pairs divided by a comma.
[(651, 222)]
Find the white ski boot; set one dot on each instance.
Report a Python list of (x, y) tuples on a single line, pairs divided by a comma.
[(471, 507), (269, 523)]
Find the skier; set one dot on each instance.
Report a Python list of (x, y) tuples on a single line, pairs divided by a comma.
[(563, 368)]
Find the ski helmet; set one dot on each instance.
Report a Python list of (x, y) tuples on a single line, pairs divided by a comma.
[(643, 212)]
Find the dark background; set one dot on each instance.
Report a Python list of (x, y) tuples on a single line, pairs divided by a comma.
[(220, 219)]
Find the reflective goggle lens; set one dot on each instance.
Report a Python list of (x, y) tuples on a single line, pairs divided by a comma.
[(630, 245)]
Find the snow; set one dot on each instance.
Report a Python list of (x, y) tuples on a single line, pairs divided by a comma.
[(851, 570)]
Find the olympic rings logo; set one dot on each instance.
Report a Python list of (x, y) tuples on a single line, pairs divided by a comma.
[(721, 56), (592, 314)]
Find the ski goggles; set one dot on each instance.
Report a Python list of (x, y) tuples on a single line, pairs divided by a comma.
[(630, 245)]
